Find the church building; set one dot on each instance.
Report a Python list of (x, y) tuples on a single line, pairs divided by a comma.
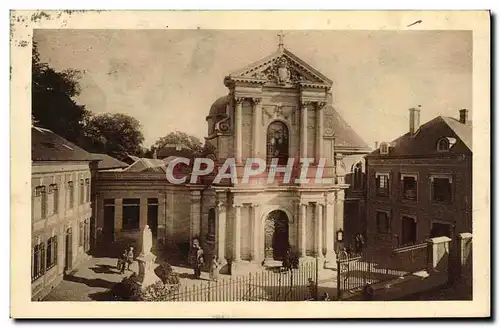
[(277, 108)]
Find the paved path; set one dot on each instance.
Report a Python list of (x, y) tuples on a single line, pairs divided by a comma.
[(97, 275)]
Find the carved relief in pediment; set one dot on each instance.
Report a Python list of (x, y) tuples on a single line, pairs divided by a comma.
[(281, 71)]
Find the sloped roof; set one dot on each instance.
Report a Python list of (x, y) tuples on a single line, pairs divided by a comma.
[(424, 141), (49, 146), (463, 131), (146, 165), (107, 162), (175, 150), (346, 138)]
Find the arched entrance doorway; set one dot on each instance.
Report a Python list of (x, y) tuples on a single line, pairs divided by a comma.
[(276, 235)]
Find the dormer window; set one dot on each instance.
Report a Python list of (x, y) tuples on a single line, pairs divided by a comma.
[(443, 144), (384, 148)]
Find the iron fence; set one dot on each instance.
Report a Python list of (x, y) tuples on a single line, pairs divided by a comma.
[(355, 271), (277, 284)]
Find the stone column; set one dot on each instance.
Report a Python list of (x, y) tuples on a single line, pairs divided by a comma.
[(220, 225), (339, 212), (195, 215), (303, 131), (302, 229), (118, 215), (331, 257), (237, 233), (319, 230), (238, 144), (143, 218), (319, 130), (257, 115), (256, 233)]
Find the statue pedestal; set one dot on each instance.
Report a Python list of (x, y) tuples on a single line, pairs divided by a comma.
[(146, 275)]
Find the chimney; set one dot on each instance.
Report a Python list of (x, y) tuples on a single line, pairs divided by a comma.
[(414, 119), (155, 155), (464, 116), (376, 144)]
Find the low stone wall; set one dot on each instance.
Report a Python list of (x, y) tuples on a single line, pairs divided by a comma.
[(434, 275)]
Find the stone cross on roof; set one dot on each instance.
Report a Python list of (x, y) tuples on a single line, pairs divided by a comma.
[(281, 43)]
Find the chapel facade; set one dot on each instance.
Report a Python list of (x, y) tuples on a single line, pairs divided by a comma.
[(277, 108)]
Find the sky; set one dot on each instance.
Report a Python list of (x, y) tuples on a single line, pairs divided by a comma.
[(168, 79)]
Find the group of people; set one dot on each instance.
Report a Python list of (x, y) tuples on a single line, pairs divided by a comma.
[(197, 260), (125, 260)]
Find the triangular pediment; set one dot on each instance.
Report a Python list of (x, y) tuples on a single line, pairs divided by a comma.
[(281, 68)]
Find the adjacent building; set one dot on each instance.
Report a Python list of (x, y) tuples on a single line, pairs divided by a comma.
[(420, 185), (61, 220)]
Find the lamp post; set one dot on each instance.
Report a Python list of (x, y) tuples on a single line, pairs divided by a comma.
[(339, 236)]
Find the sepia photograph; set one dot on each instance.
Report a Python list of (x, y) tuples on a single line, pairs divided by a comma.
[(292, 165)]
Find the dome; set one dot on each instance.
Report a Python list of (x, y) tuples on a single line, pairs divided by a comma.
[(219, 106)]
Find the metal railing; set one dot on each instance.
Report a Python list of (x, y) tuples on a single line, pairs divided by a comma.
[(354, 272), (271, 285)]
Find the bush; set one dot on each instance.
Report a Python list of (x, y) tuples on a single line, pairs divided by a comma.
[(127, 290), (167, 275), (157, 292)]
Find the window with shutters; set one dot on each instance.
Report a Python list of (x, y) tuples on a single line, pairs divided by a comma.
[(52, 199), (87, 190), (51, 252), (382, 184), (82, 191), (70, 193), (409, 186), (38, 261), (441, 188), (38, 203)]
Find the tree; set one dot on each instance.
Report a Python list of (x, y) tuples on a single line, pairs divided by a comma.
[(178, 138), (115, 134), (52, 104)]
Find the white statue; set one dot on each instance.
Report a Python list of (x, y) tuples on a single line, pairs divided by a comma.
[(147, 240)]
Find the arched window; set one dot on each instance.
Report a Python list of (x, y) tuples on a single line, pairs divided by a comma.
[(358, 176), (443, 144), (277, 142)]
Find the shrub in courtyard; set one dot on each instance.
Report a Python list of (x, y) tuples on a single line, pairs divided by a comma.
[(127, 290), (157, 292), (167, 275)]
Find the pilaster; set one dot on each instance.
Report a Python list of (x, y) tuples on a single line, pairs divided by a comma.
[(319, 130), (257, 116), (303, 130), (302, 229), (330, 255), (237, 233), (255, 254), (319, 231), (220, 225), (237, 129)]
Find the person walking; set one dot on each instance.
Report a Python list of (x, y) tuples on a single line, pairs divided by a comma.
[(214, 268), (130, 257), (122, 261), (196, 258)]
